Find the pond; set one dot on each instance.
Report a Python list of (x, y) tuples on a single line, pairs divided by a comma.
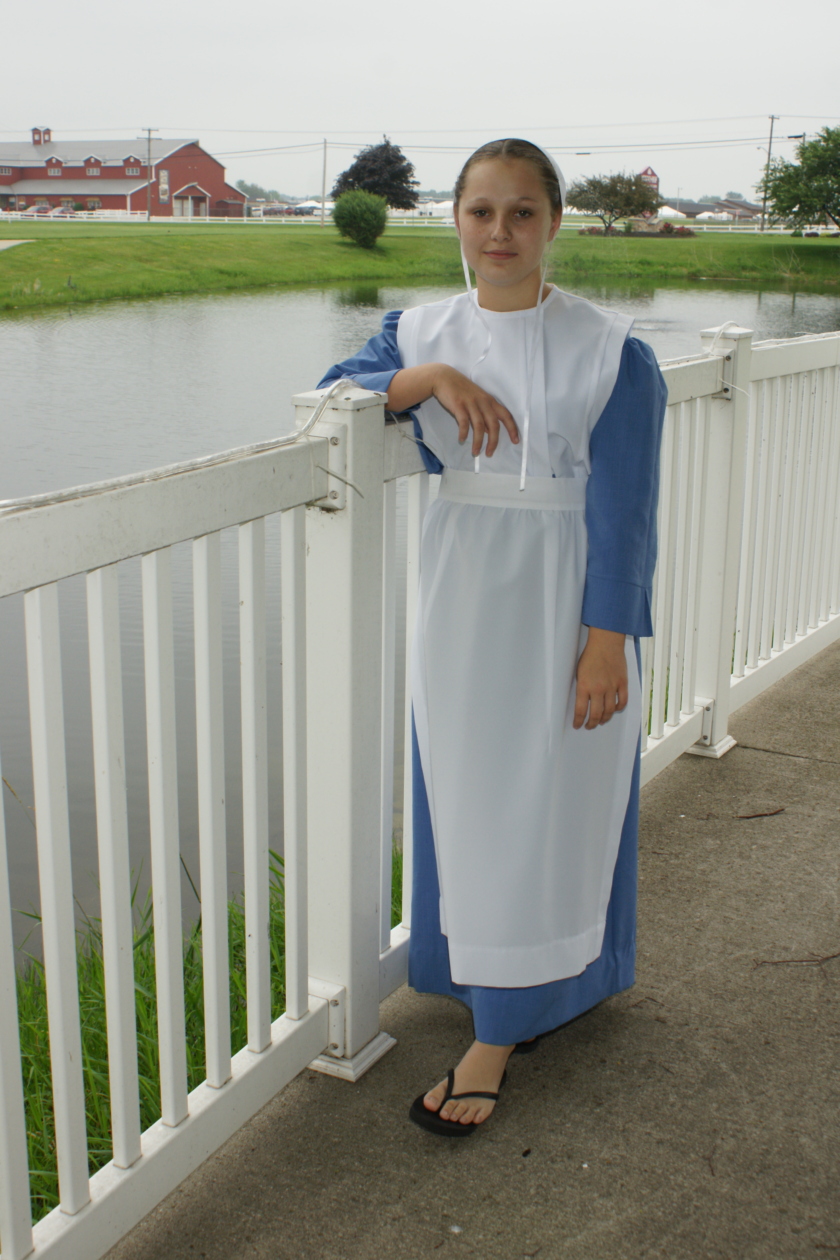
[(95, 392)]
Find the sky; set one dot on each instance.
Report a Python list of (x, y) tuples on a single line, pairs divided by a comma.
[(607, 87)]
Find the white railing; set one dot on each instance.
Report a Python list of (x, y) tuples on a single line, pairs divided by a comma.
[(747, 587)]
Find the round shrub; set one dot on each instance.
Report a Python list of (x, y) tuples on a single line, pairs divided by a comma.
[(361, 216)]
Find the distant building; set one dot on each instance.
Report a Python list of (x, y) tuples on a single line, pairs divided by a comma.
[(186, 182), (722, 210)]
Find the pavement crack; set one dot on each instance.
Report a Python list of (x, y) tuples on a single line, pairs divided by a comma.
[(775, 752)]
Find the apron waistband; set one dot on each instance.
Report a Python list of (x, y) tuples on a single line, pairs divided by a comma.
[(558, 494)]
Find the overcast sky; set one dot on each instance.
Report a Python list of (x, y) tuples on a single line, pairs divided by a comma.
[(606, 87)]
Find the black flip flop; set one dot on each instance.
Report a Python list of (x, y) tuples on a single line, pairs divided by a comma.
[(528, 1047), (431, 1120)]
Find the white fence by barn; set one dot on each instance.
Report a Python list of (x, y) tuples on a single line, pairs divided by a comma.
[(747, 588)]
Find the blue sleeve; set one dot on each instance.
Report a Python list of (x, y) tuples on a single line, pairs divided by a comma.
[(376, 364), (374, 367), (621, 497)]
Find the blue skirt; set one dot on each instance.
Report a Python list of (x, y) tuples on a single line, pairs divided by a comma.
[(504, 1016)]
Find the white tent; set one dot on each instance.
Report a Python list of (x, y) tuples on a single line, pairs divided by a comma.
[(669, 212)]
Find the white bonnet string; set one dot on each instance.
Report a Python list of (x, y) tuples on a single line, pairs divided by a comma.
[(535, 339)]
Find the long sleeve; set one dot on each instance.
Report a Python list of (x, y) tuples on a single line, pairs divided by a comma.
[(621, 497), (374, 367)]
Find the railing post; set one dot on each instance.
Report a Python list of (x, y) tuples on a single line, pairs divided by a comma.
[(720, 543), (344, 687)]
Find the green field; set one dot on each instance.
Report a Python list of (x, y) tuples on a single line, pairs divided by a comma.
[(69, 262)]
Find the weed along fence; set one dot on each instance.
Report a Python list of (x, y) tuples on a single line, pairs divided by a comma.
[(747, 587)]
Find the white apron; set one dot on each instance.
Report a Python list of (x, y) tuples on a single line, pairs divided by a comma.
[(526, 812)]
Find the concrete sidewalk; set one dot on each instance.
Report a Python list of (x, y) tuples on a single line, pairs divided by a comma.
[(694, 1116)]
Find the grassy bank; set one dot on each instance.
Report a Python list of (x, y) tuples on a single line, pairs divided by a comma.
[(34, 1031), (69, 263)]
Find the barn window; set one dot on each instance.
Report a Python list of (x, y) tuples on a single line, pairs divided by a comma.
[(53, 170), (92, 170), (132, 170), (94, 203), (5, 170)]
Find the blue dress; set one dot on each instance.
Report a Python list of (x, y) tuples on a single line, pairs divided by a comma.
[(621, 498)]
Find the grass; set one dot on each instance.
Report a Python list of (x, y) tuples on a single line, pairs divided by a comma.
[(70, 263), (34, 1032)]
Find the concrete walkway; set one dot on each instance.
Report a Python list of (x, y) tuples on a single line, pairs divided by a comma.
[(9, 244), (694, 1116)]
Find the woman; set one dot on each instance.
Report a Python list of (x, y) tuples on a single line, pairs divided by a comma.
[(536, 566)]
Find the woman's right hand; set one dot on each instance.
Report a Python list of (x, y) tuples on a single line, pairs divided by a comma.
[(473, 408), (470, 405)]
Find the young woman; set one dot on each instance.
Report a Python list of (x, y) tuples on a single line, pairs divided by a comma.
[(537, 558)]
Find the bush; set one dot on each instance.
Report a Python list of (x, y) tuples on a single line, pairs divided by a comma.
[(361, 216)]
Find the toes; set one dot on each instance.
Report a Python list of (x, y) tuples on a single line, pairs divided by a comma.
[(434, 1097)]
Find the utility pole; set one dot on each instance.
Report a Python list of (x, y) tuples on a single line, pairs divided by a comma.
[(324, 187), (773, 118), (148, 131)]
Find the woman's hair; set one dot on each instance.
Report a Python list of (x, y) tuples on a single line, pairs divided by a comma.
[(522, 149)]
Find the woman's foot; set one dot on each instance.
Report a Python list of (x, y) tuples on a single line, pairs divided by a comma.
[(481, 1068)]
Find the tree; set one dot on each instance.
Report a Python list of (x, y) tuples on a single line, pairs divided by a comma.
[(806, 191), (384, 170), (361, 216), (611, 197), (256, 193)]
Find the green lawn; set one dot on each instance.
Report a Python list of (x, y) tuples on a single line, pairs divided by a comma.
[(83, 262)]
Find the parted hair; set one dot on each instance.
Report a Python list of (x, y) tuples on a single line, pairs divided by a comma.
[(512, 148)]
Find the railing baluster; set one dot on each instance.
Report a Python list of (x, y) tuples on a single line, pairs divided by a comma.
[(418, 502), (822, 540), (46, 709), (15, 1213), (682, 564), (293, 614), (747, 547), (763, 452), (255, 780), (787, 455), (797, 456), (697, 463), (114, 862), (664, 599), (811, 473), (772, 519), (164, 832), (832, 523), (389, 628), (209, 724)]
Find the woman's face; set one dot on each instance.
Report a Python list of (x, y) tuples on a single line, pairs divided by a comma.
[(505, 221)]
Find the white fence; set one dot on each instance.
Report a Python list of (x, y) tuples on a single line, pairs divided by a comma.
[(747, 587)]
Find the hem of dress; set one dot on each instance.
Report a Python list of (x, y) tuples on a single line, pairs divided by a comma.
[(544, 1010), (502, 967)]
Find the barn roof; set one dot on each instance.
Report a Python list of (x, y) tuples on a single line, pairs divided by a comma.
[(74, 152)]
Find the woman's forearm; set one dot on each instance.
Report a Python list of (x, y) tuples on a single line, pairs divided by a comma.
[(411, 386)]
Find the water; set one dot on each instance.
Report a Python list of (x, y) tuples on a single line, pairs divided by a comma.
[(101, 391)]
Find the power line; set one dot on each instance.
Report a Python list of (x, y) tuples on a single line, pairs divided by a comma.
[(435, 131)]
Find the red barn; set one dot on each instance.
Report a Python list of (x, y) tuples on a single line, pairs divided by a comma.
[(185, 181)]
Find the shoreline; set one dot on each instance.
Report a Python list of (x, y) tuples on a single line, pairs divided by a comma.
[(70, 264)]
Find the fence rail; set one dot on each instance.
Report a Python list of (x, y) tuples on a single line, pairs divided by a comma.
[(570, 224), (747, 587)]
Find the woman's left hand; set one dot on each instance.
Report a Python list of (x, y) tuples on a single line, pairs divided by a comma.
[(601, 679)]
